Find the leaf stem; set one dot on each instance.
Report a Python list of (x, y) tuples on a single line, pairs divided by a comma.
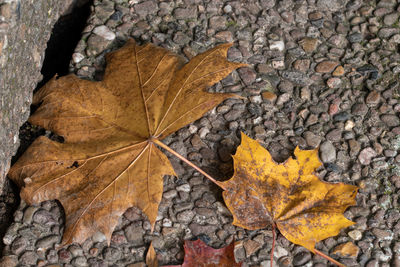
[(328, 258), (191, 164), (273, 244)]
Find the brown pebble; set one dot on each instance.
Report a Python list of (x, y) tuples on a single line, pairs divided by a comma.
[(339, 71), (93, 251), (225, 36), (326, 66), (316, 15), (301, 65), (373, 98), (309, 44), (271, 97)]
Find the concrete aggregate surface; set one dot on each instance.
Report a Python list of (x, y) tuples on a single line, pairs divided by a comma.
[(322, 73)]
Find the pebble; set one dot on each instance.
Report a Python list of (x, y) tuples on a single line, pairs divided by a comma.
[(301, 258), (146, 8), (77, 57), (355, 235), (225, 36), (183, 188), (359, 109), (373, 98), (170, 194), (28, 258), (43, 217), (297, 77), (185, 13), (217, 22), (366, 155), (391, 19), (390, 153), (251, 247), (228, 9), (104, 32), (204, 130), (339, 71), (278, 45), (19, 245), (312, 140), (301, 65), (198, 229), (326, 66), (278, 64), (239, 252), (48, 241), (390, 120), (134, 234), (327, 152), (111, 254), (232, 115), (383, 235), (355, 37), (269, 96), (283, 98), (395, 39), (64, 255), (342, 116), (79, 261), (309, 44), (349, 125), (334, 135), (334, 82), (185, 216)]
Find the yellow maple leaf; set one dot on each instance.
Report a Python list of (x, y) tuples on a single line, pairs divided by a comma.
[(288, 195)]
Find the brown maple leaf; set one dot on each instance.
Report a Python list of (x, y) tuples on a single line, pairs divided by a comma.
[(288, 195), (198, 254), (109, 160)]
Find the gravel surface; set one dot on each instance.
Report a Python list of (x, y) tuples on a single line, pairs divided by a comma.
[(322, 73)]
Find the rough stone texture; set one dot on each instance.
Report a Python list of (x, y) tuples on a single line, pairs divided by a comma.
[(24, 31)]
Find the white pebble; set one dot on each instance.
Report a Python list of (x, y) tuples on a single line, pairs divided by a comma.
[(279, 45), (77, 57), (167, 222), (355, 234), (257, 120), (256, 99), (278, 64), (203, 132), (183, 188), (192, 129), (227, 9), (104, 32), (349, 125), (98, 237)]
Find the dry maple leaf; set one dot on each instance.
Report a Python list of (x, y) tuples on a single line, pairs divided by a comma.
[(151, 257), (288, 195), (198, 254), (109, 160)]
